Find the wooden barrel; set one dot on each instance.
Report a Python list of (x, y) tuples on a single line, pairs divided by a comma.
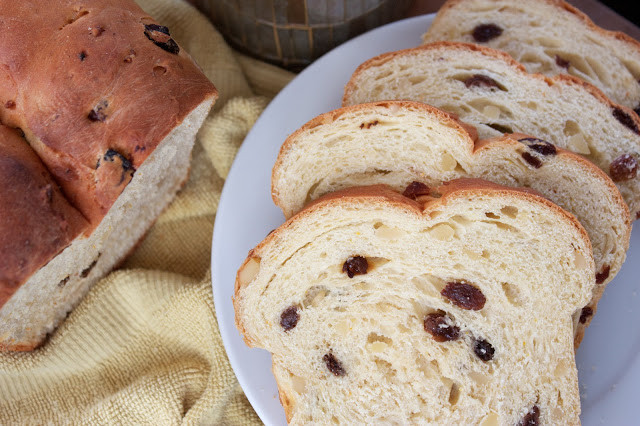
[(292, 33)]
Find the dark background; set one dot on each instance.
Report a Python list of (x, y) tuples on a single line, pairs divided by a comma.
[(627, 9)]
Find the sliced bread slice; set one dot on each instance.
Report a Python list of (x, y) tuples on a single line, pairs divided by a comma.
[(378, 309), (549, 37), (488, 89), (413, 146)]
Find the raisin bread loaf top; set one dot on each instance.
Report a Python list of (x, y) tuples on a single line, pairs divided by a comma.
[(488, 89), (111, 104), (36, 221), (95, 86), (414, 147), (372, 318), (549, 37)]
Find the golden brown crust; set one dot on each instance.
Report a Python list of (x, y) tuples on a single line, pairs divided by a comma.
[(36, 221), (93, 92)]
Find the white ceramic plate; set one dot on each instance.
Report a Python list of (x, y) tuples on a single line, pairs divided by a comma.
[(608, 359)]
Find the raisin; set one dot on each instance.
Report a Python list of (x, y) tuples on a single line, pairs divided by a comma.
[(160, 36), (539, 145), (532, 418), (369, 125), (637, 109), (440, 327), (88, 269), (484, 350), (63, 281), (479, 80), (334, 365), (10, 104), (289, 318), (98, 112), (127, 166), (485, 32), (626, 120), (415, 189), (625, 167), (82, 55), (561, 62), (464, 295), (356, 265), (585, 314), (603, 274), (535, 162)]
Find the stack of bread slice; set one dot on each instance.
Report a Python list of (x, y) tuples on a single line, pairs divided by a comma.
[(441, 265)]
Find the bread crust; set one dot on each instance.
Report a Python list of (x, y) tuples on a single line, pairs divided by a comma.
[(93, 92), (36, 221)]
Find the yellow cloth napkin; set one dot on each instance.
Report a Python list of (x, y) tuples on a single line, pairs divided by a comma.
[(144, 347)]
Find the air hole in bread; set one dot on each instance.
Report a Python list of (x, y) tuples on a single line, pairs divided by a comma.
[(579, 67), (417, 79), (576, 141), (447, 162), (499, 127), (491, 215), (513, 294), (314, 295), (442, 231), (378, 343), (490, 420), (479, 378), (389, 233), (460, 220), (376, 262), (250, 271), (428, 285), (562, 368), (509, 211), (454, 394), (547, 41), (503, 226), (363, 286), (633, 69), (599, 70), (311, 192), (532, 105), (298, 383), (579, 260)]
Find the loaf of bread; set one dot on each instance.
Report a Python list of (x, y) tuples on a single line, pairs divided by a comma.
[(378, 309), (110, 104), (548, 37), (488, 89), (414, 147)]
